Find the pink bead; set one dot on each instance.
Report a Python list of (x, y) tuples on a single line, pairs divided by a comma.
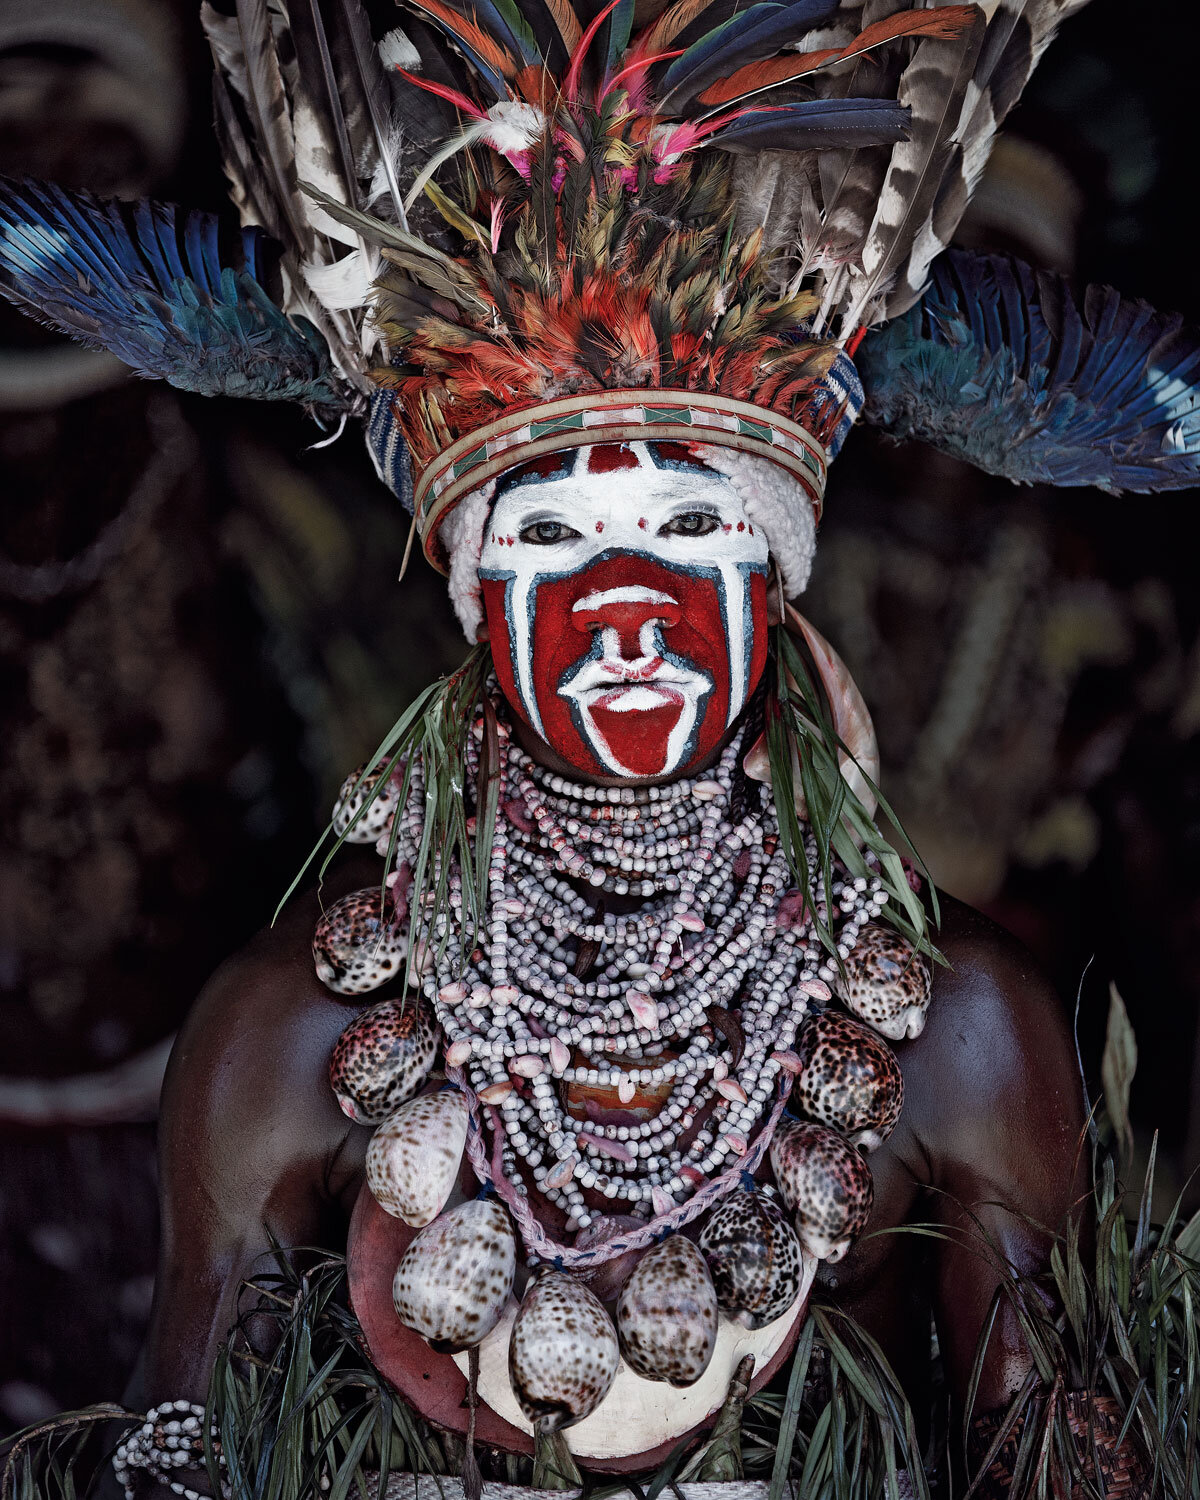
[(560, 1175), (644, 1009), (788, 1061), (495, 1093), (452, 993), (616, 1149), (528, 1065), (457, 1053), (730, 1088), (661, 1201), (505, 994), (626, 1089), (560, 1056)]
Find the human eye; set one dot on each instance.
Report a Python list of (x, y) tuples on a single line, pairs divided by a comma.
[(546, 533), (690, 523)]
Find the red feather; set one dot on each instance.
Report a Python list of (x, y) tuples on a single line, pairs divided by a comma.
[(570, 88), (639, 66), (460, 101)]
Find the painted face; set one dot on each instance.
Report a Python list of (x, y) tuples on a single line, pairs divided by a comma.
[(625, 594)]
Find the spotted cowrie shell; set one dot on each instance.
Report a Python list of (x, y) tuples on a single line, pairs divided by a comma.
[(886, 983), (608, 1277), (825, 1183), (354, 949), (563, 1353), (667, 1314), (849, 1079), (454, 1280), (382, 1058), (414, 1157), (754, 1258), (378, 817)]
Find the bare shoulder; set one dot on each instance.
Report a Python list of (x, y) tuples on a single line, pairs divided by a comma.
[(248, 1077), (993, 1078)]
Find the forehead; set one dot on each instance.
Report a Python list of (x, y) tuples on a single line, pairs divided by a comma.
[(632, 473)]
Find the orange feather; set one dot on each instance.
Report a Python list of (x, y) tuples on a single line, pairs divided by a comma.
[(948, 21), (487, 48), (564, 17), (662, 33)]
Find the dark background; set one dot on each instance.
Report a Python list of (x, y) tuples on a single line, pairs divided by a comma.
[(181, 701)]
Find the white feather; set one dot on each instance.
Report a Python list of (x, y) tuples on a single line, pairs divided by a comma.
[(379, 192), (396, 51), (344, 285), (313, 165)]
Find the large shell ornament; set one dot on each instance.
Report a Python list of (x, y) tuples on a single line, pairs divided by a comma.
[(825, 1183), (754, 1257), (886, 983), (355, 948), (382, 1058), (849, 1079), (350, 800), (454, 1280), (562, 1354), (414, 1157), (667, 1314)]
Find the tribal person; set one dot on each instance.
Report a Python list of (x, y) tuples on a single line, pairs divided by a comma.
[(661, 1029)]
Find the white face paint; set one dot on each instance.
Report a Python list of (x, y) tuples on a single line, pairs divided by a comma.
[(625, 595)]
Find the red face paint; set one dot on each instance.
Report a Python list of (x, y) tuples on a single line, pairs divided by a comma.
[(628, 619)]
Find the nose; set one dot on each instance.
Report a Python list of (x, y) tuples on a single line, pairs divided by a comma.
[(626, 611)]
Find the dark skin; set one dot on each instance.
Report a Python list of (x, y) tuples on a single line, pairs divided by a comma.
[(252, 1141)]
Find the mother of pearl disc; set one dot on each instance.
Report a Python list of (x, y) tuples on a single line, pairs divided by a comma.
[(638, 1415)]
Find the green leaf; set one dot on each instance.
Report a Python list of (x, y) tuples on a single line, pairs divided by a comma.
[(1117, 1067)]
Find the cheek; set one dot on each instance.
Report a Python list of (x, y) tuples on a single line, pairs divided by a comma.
[(500, 633), (759, 623)]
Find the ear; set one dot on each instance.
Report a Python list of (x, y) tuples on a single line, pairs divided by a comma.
[(775, 596)]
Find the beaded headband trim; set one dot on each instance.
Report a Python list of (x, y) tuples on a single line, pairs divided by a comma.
[(610, 416)]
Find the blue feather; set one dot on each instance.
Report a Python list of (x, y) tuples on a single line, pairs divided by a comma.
[(145, 280), (817, 124), (749, 35), (1000, 366)]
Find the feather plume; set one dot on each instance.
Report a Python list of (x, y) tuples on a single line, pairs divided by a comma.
[(1002, 367), (933, 86), (1018, 32), (175, 296), (747, 36), (950, 21)]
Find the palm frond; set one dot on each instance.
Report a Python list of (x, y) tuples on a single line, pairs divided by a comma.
[(802, 741)]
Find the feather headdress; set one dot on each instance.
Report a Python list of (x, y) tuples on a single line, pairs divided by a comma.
[(516, 225)]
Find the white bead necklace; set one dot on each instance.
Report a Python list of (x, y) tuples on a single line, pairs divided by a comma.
[(561, 991)]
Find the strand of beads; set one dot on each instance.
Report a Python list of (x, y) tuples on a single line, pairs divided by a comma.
[(170, 1438), (707, 934)]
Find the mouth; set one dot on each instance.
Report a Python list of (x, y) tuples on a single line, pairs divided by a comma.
[(636, 697)]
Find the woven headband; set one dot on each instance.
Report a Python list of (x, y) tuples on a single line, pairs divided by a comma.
[(610, 417)]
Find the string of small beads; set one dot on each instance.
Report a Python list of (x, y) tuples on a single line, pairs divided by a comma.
[(711, 931)]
